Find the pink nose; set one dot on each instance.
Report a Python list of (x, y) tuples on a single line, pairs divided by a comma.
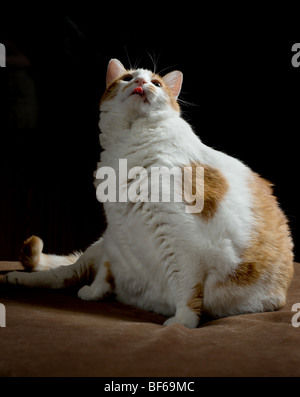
[(140, 81)]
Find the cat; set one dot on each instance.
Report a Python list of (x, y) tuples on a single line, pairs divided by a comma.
[(233, 257)]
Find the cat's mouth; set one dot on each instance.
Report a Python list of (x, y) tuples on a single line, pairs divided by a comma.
[(140, 92)]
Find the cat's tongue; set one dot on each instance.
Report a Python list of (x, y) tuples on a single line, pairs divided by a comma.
[(138, 91)]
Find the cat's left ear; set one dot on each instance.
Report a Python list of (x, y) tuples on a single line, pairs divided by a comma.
[(174, 82), (115, 69)]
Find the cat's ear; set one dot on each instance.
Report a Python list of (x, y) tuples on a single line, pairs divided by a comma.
[(174, 82), (115, 69)]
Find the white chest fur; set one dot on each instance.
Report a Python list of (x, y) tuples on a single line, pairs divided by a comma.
[(139, 237)]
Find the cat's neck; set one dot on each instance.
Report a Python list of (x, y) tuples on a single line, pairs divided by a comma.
[(117, 126), (166, 137)]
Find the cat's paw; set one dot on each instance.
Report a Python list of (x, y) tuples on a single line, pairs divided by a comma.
[(189, 321), (14, 278), (88, 293), (31, 252)]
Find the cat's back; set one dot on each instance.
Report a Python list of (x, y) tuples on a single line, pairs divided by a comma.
[(249, 217)]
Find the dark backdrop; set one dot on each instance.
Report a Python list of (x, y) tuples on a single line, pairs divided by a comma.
[(237, 74)]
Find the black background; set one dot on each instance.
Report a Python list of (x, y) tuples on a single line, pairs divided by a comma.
[(237, 74)]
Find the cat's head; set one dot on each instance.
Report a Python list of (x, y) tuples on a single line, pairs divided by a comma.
[(140, 92)]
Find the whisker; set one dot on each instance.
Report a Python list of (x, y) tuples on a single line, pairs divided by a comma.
[(127, 56), (168, 67), (186, 103), (154, 60), (137, 62)]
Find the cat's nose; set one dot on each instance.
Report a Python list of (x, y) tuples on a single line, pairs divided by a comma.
[(140, 81)]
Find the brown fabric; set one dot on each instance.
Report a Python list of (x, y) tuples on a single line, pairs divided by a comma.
[(53, 333)]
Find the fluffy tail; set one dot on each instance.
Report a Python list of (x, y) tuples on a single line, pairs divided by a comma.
[(33, 259)]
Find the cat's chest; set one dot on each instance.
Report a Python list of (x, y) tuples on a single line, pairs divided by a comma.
[(132, 233), (140, 277)]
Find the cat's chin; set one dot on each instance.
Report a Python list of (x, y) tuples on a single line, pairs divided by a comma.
[(142, 98)]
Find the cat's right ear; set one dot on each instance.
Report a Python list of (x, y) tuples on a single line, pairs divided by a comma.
[(115, 69)]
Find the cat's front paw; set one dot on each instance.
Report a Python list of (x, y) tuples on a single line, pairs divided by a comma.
[(189, 321), (88, 293)]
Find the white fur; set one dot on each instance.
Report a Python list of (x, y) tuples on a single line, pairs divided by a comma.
[(157, 252)]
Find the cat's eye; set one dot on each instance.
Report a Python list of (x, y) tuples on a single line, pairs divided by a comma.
[(156, 83), (127, 77)]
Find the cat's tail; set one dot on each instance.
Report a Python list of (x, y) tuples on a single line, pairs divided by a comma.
[(33, 258)]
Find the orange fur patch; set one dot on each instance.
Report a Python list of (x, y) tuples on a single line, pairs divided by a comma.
[(72, 281), (270, 251), (127, 85), (195, 302), (110, 92), (215, 188), (31, 252), (109, 276)]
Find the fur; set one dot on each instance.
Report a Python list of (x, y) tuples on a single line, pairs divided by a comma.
[(234, 257)]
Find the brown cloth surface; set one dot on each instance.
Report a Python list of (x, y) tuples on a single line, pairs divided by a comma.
[(54, 333)]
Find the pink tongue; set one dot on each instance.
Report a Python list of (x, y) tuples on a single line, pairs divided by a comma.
[(138, 90)]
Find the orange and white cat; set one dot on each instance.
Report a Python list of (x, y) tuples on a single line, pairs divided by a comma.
[(233, 257)]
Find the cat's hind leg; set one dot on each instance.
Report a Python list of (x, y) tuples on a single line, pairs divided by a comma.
[(33, 258), (82, 270)]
